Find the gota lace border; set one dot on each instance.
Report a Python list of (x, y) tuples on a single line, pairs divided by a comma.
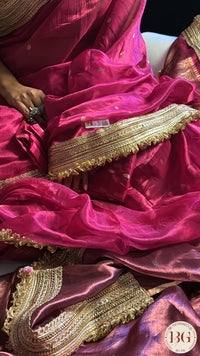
[(15, 13), (70, 255), (93, 150), (86, 321), (64, 256), (192, 35), (32, 292), (13, 238), (32, 174)]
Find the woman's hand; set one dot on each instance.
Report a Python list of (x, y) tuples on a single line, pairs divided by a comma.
[(17, 95), (23, 98)]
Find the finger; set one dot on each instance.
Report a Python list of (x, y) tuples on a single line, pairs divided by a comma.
[(23, 109), (85, 181), (38, 98), (23, 104), (76, 183), (25, 101), (42, 95)]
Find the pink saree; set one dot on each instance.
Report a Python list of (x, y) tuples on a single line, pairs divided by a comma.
[(143, 160), (137, 138)]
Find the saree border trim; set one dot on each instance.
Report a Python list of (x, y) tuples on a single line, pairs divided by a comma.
[(14, 14), (87, 152), (69, 256), (32, 174), (54, 256), (190, 71), (13, 238), (31, 292), (86, 321), (192, 35)]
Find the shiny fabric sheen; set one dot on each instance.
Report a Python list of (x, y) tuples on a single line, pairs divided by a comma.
[(143, 210), (156, 191), (151, 268)]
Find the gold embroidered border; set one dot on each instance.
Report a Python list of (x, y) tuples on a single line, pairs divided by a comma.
[(87, 152), (32, 291), (32, 174), (192, 35), (59, 255), (188, 70), (86, 321), (13, 238), (15, 13)]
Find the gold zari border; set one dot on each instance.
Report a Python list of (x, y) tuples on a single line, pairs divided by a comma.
[(87, 152), (13, 238), (32, 174), (62, 256), (59, 255), (189, 71), (192, 35), (15, 13), (32, 291), (86, 321)]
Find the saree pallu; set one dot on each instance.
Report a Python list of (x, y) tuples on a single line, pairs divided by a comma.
[(146, 161), (183, 57), (145, 191), (99, 63)]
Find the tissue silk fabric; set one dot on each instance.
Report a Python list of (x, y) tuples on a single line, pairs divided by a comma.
[(144, 180), (98, 71)]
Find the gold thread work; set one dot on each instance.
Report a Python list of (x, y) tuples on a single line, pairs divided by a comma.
[(32, 174), (31, 292), (13, 238), (188, 70), (192, 35), (62, 256), (86, 321), (15, 13), (59, 255), (93, 150)]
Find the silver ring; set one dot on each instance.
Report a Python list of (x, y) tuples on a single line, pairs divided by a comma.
[(34, 113)]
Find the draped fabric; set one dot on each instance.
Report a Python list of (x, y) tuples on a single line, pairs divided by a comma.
[(137, 137), (183, 58), (143, 160)]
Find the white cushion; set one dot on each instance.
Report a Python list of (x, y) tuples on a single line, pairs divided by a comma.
[(157, 47)]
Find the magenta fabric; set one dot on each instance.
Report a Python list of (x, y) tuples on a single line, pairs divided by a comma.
[(182, 62), (52, 214), (6, 288), (160, 202), (148, 224), (99, 68)]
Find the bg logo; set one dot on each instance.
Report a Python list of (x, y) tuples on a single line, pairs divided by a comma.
[(180, 337)]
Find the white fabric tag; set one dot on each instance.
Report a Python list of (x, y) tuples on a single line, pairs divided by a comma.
[(99, 123)]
